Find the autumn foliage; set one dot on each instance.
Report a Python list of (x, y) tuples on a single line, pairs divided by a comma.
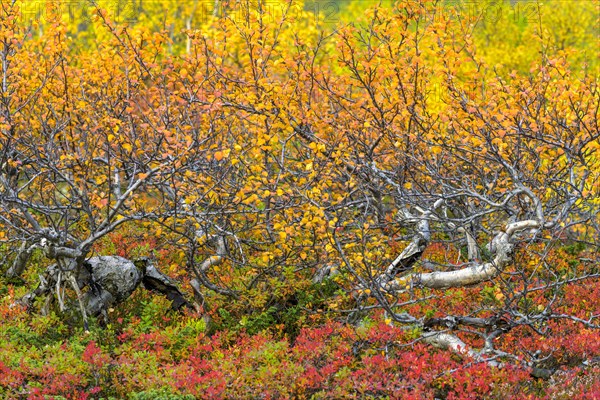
[(394, 200)]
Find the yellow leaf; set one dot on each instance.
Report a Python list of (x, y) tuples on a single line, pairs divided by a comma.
[(221, 154), (127, 147)]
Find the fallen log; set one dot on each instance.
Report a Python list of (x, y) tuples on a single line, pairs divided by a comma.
[(103, 282)]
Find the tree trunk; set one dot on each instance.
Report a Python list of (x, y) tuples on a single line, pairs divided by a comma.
[(109, 280)]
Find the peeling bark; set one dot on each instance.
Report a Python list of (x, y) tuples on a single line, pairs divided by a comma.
[(449, 341), (487, 354), (472, 249), (200, 271), (413, 252), (453, 343), (501, 245), (155, 280)]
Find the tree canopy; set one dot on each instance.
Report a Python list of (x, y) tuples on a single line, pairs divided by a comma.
[(420, 177)]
